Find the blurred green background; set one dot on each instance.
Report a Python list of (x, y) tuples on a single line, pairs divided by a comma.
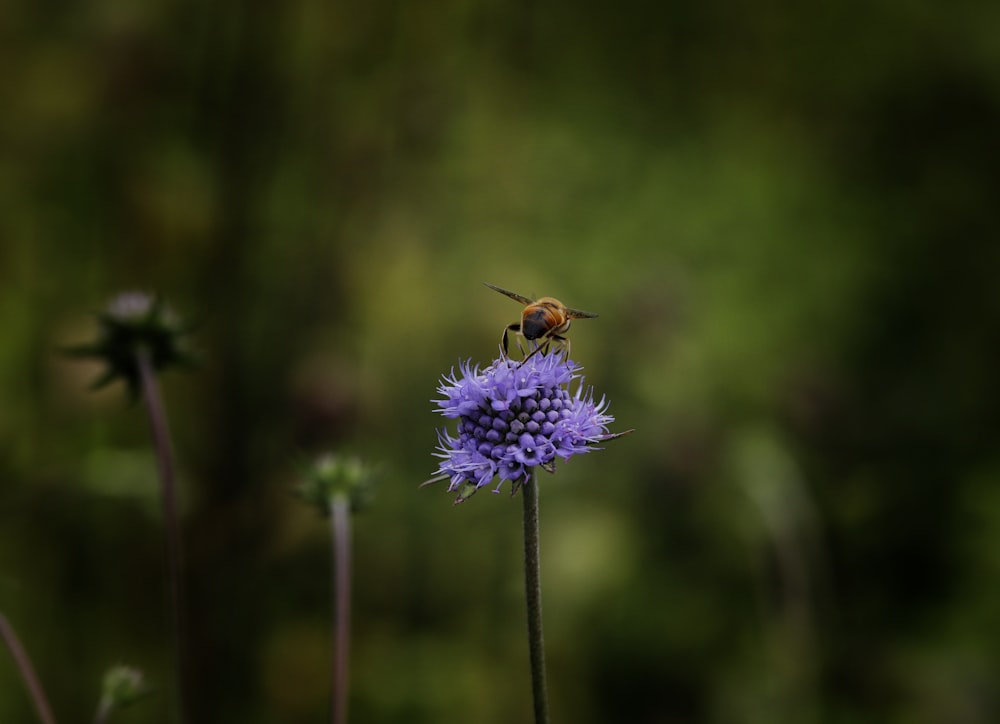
[(785, 215)]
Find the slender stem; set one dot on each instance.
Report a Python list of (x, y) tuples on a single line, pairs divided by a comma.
[(533, 599), (23, 663), (340, 539), (165, 464)]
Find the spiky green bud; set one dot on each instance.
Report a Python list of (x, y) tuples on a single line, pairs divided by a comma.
[(135, 322)]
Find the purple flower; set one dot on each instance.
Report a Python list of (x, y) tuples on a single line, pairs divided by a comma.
[(513, 417)]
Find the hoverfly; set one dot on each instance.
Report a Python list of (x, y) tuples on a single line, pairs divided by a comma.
[(544, 319)]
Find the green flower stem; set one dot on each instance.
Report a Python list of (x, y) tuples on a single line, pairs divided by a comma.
[(533, 598), (23, 663), (340, 539), (165, 464), (104, 707)]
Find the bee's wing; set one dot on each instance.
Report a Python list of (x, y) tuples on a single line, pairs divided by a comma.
[(513, 295), (579, 314)]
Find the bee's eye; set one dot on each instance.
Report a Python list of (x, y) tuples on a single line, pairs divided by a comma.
[(534, 327)]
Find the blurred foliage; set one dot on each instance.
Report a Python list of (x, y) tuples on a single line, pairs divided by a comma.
[(784, 215)]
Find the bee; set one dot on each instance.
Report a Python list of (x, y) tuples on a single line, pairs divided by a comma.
[(544, 319)]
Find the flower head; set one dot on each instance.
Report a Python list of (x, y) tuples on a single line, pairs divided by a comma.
[(513, 417), (332, 476), (131, 322), (121, 686)]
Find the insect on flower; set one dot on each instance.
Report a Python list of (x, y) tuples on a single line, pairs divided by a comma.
[(544, 319)]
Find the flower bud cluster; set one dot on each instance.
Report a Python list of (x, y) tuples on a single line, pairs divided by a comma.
[(513, 417)]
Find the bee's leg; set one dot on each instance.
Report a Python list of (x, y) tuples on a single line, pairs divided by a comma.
[(505, 340), (565, 341), (543, 348)]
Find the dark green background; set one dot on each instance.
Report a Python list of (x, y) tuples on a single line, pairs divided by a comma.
[(785, 214)]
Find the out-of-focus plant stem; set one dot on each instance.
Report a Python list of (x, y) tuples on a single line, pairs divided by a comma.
[(23, 663), (340, 539), (168, 485)]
